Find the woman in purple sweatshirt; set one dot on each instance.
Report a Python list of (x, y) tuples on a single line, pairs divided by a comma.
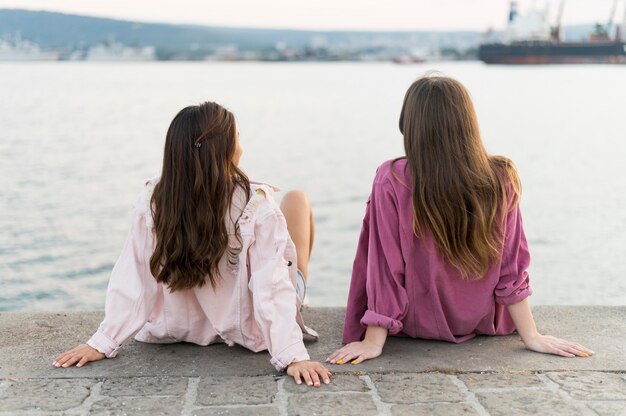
[(442, 252)]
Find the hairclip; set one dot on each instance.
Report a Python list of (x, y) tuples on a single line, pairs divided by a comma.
[(198, 144)]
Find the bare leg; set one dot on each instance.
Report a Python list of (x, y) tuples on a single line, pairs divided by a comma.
[(296, 208)]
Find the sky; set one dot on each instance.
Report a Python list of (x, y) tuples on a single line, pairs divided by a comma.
[(325, 14)]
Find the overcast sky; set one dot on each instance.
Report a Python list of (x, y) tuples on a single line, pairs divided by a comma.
[(324, 14)]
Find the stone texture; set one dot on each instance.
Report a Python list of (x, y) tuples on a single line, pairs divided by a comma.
[(591, 385), (416, 388), (235, 390), (433, 409), (45, 395), (237, 411), (345, 404), (410, 376), (338, 383), (525, 402), (617, 408), (137, 406), (476, 382), (57, 332), (144, 386)]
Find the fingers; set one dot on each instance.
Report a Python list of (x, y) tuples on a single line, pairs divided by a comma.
[(327, 375), (344, 355), (332, 358), (296, 377), (578, 350), (553, 345), (324, 374), (360, 359), (583, 349), (571, 349), (61, 359), (66, 360), (313, 373), (563, 353), (307, 377), (82, 361), (315, 378)]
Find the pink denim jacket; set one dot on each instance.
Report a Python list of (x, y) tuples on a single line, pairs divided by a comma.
[(254, 305)]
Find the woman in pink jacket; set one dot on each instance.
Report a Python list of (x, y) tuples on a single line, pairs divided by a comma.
[(442, 253), (210, 257)]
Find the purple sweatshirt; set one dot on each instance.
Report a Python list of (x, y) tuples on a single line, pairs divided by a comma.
[(404, 284)]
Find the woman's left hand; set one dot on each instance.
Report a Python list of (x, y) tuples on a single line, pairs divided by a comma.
[(80, 356), (355, 352)]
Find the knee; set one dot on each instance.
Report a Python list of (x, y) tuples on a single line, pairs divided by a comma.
[(296, 198)]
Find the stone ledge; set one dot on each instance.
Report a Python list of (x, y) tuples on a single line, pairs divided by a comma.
[(31, 340), (485, 376)]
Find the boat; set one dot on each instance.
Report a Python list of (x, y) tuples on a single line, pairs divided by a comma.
[(529, 40)]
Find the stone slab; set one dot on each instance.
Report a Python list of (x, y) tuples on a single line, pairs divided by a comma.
[(416, 388), (321, 403), (237, 411), (215, 391), (525, 402), (45, 395), (434, 409), (31, 340), (137, 406), (488, 381), (591, 385)]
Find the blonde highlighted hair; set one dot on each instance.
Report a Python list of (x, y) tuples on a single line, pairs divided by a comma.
[(461, 194)]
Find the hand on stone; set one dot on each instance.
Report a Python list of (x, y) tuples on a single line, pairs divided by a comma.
[(80, 356), (356, 352), (310, 371), (551, 345)]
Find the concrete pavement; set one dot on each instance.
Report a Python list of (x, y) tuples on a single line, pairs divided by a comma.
[(487, 375)]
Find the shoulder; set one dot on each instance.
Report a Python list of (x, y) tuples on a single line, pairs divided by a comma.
[(261, 204), (144, 198), (391, 176)]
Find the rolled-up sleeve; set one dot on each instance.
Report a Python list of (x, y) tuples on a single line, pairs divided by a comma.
[(273, 293), (514, 283), (132, 289), (387, 300)]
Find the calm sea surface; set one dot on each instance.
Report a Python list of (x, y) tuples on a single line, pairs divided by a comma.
[(77, 140)]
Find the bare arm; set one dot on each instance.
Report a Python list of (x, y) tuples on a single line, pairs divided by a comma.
[(534, 341)]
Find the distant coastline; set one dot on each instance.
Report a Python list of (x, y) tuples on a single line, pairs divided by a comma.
[(36, 35)]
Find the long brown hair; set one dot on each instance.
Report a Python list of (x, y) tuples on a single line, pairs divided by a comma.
[(191, 202), (460, 193)]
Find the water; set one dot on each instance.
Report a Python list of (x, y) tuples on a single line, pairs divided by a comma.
[(77, 140)]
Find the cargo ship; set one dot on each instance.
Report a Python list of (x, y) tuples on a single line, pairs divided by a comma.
[(529, 40)]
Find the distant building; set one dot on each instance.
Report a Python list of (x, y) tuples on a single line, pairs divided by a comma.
[(17, 49), (113, 51)]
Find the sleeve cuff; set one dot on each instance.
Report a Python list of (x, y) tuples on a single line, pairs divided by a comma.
[(372, 318), (291, 354), (517, 296), (104, 344)]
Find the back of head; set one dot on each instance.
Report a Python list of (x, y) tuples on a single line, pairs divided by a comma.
[(459, 192), (191, 202)]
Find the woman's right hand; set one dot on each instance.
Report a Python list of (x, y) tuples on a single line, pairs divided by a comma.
[(80, 355), (548, 344), (311, 371)]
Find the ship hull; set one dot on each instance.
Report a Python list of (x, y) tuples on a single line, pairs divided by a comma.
[(548, 53)]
